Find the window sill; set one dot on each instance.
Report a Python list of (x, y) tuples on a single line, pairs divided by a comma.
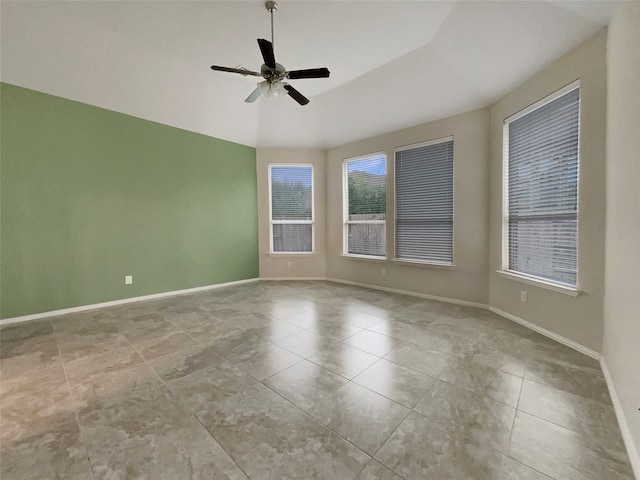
[(538, 282), (418, 263), (291, 254), (352, 256)]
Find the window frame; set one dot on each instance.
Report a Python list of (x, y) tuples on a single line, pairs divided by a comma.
[(505, 271), (345, 207), (428, 263), (311, 222)]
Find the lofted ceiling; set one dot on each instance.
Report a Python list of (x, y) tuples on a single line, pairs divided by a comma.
[(393, 63)]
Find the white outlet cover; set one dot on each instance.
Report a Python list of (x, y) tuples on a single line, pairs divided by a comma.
[(128, 279), (523, 296)]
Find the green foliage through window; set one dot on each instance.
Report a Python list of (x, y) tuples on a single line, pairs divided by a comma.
[(291, 201), (366, 197)]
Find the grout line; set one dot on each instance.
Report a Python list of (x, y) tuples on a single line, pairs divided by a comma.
[(178, 400), (387, 441), (337, 373), (410, 367), (431, 387), (376, 461), (73, 403), (450, 428), (475, 392), (409, 411), (554, 423), (513, 422), (330, 428), (271, 375), (385, 396), (508, 454), (534, 469), (603, 404), (304, 412), (336, 433)]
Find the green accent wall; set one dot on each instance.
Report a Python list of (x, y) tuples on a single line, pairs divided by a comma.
[(90, 195)]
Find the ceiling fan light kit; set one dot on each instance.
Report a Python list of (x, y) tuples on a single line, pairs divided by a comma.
[(270, 90), (275, 75)]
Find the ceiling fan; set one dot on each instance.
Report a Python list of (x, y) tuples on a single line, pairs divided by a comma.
[(274, 74)]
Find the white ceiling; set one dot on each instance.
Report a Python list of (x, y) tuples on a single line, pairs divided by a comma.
[(393, 63)]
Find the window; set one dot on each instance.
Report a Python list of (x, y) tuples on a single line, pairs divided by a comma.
[(291, 214), (424, 202), (365, 205), (541, 180)]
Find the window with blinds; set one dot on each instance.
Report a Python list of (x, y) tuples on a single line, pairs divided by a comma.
[(291, 208), (424, 202), (365, 205), (542, 188)]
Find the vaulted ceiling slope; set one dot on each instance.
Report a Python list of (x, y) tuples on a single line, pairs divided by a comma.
[(393, 64)]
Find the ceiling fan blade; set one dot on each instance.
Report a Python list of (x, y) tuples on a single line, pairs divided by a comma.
[(254, 96), (266, 48), (309, 73), (296, 95), (241, 71)]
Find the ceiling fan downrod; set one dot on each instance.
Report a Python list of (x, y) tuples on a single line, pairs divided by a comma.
[(271, 7)]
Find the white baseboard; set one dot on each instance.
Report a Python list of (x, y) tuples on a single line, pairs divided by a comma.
[(547, 333), (531, 326), (280, 279), (64, 311), (408, 292), (536, 328), (629, 442)]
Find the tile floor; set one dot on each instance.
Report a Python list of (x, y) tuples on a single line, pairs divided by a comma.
[(305, 380)]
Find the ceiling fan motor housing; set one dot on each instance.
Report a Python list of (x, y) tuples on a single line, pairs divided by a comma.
[(270, 74)]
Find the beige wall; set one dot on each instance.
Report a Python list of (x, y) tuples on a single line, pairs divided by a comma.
[(467, 281), (578, 319), (609, 126), (622, 289), (304, 265), (478, 191)]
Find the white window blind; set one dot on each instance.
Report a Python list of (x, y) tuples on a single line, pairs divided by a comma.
[(424, 203), (291, 214), (543, 190), (365, 206)]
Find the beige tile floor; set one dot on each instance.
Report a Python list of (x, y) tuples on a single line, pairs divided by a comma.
[(305, 380)]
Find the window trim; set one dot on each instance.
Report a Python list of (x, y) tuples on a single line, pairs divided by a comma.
[(540, 282), (422, 263), (345, 208), (311, 222), (426, 263), (505, 272)]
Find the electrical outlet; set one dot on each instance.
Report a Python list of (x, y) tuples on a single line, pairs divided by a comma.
[(289, 263), (128, 279), (523, 296), (383, 271)]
